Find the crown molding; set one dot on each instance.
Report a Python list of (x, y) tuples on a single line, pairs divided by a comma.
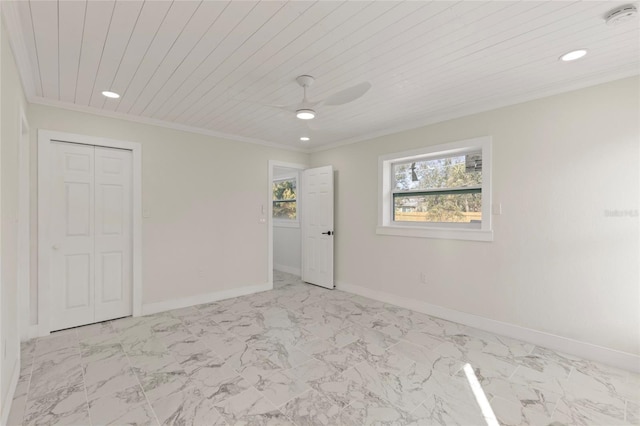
[(551, 90), (451, 114), (155, 122), (18, 45)]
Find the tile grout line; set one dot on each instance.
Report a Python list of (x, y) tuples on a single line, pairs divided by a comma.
[(201, 315), (626, 409), (512, 375), (84, 385), (284, 404), (555, 407), (84, 382), (379, 396), (274, 405), (26, 396), (188, 330), (132, 368)]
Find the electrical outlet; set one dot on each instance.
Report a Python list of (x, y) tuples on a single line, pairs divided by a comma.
[(201, 273), (423, 277)]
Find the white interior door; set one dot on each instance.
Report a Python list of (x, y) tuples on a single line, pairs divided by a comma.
[(317, 235), (90, 231), (112, 249), (72, 236)]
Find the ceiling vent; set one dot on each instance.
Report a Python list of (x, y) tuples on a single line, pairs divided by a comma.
[(621, 15)]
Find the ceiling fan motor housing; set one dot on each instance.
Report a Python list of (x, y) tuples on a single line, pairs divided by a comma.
[(305, 80)]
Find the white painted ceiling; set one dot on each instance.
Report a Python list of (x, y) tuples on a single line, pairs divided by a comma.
[(214, 66)]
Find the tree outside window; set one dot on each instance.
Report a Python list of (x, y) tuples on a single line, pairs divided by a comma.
[(285, 199), (439, 190)]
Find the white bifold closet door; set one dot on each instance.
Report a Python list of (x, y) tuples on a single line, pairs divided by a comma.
[(91, 258)]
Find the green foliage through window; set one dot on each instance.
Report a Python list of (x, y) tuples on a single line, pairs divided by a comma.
[(284, 199), (439, 190)]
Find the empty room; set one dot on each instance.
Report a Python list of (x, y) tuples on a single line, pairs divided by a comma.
[(319, 212)]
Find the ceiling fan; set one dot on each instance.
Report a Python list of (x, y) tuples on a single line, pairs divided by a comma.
[(305, 109)]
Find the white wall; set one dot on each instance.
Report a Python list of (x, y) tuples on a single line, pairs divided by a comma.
[(286, 249), (558, 263), (287, 239), (12, 103), (202, 200)]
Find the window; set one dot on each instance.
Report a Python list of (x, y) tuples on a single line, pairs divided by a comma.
[(285, 203), (441, 191)]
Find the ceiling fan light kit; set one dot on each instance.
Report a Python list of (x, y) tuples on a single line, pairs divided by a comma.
[(305, 114)]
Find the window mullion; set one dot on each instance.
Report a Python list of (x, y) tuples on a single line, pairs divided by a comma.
[(460, 189)]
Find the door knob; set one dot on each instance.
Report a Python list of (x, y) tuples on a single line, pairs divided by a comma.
[(327, 233), (54, 247)]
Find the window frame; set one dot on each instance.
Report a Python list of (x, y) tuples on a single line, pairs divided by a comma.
[(444, 230), (278, 221)]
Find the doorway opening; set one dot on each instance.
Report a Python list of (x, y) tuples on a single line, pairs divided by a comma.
[(300, 222), (285, 218)]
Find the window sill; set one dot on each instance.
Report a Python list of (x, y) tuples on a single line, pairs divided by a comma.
[(283, 224), (440, 233)]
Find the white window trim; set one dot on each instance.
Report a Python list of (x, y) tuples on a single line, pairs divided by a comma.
[(386, 225), (287, 223)]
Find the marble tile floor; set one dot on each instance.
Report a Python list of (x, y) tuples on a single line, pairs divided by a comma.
[(303, 355)]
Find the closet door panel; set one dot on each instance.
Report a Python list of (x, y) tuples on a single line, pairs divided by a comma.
[(72, 235), (113, 236)]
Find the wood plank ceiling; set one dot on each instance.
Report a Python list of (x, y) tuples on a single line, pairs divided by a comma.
[(217, 66)]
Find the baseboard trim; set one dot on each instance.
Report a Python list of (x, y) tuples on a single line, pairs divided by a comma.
[(6, 406), (32, 332), (168, 305), (287, 269), (619, 359)]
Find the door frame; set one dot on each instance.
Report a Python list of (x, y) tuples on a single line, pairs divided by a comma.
[(24, 230), (45, 159), (272, 165)]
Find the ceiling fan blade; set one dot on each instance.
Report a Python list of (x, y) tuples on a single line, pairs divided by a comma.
[(288, 108), (348, 95), (294, 107)]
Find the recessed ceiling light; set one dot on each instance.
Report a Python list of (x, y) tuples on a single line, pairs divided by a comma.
[(305, 114), (304, 138), (109, 94), (573, 55)]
